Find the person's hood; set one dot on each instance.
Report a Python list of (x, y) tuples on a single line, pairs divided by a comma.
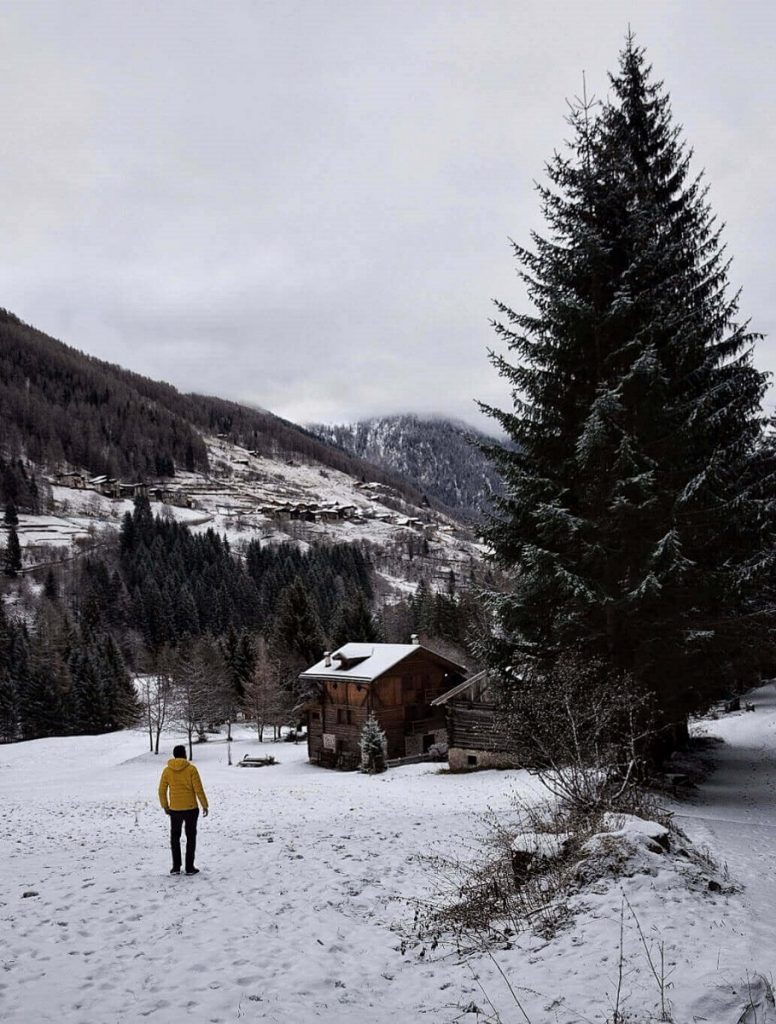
[(177, 764)]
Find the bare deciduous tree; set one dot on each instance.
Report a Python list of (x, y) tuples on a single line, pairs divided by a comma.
[(160, 696), (193, 704), (267, 700)]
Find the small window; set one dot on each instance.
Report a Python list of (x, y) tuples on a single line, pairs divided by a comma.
[(316, 716), (471, 760), (349, 715)]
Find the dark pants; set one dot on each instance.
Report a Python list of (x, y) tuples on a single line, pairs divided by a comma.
[(177, 820)]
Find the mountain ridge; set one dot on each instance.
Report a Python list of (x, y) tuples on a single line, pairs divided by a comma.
[(438, 455), (60, 406)]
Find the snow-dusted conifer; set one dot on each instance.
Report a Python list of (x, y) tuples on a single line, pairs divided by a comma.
[(638, 518), (373, 744)]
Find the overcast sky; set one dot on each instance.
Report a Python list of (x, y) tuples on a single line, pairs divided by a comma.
[(305, 205)]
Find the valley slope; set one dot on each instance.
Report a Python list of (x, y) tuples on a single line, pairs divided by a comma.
[(440, 457)]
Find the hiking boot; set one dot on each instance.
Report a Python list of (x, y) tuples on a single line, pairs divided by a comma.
[(175, 871), (192, 871)]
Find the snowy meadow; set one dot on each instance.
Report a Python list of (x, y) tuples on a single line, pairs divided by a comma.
[(303, 909)]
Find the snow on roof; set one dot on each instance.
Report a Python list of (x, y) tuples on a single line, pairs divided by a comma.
[(365, 662)]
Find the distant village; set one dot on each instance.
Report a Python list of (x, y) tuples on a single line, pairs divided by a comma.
[(301, 511), (110, 487)]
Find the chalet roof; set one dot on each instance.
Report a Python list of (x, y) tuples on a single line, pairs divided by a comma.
[(470, 688), (363, 663)]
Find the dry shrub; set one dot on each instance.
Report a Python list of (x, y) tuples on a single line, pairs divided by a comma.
[(488, 899), (585, 730)]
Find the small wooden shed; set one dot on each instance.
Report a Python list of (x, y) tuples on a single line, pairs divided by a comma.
[(398, 683), (475, 735)]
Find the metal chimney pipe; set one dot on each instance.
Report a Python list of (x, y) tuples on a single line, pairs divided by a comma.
[(327, 657), (414, 639)]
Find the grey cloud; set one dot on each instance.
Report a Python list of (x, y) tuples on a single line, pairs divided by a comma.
[(306, 205)]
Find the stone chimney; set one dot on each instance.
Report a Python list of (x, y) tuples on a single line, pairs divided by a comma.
[(327, 658), (414, 639)]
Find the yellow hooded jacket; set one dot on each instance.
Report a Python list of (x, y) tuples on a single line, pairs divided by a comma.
[(182, 779)]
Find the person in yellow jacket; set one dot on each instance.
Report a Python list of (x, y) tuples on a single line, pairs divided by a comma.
[(182, 780)]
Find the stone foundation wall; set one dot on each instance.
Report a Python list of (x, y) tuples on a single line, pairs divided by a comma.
[(461, 760), (413, 745)]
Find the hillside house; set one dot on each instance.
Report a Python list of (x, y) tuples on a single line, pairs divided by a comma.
[(397, 682), (135, 490), (74, 479), (108, 486), (172, 496), (475, 736)]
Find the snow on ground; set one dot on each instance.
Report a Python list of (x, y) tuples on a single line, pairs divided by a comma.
[(89, 503), (303, 872), (401, 586), (305, 877), (34, 531), (230, 500), (83, 516)]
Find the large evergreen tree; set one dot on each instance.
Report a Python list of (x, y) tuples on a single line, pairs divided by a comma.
[(638, 519)]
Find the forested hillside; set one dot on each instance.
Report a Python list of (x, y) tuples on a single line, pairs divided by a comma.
[(227, 631), (440, 457), (59, 406)]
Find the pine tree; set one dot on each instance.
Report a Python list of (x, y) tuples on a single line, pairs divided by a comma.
[(12, 559), (638, 519), (373, 745), (40, 704), (354, 622), (9, 709), (122, 706), (143, 517), (11, 516), (297, 627), (50, 586), (423, 609), (186, 616), (89, 700), (8, 696)]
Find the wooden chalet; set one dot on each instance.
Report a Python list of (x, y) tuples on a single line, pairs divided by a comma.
[(105, 485), (135, 490), (172, 496), (75, 478), (475, 737), (397, 682)]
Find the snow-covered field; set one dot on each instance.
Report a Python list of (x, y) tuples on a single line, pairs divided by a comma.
[(304, 882)]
